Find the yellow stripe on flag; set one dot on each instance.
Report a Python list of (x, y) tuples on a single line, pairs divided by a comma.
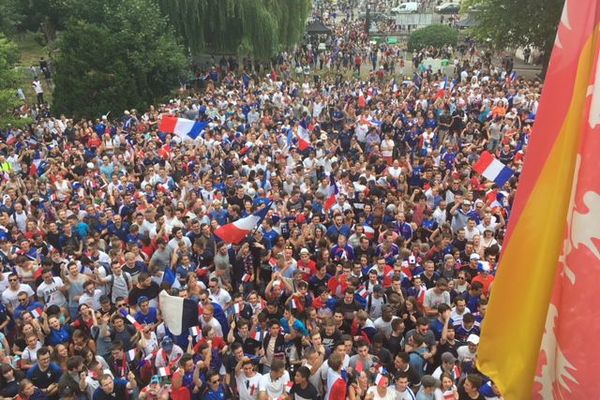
[(515, 319)]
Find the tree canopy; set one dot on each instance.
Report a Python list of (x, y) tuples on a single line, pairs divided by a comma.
[(258, 28), (433, 35), (9, 100), (115, 55), (514, 23)]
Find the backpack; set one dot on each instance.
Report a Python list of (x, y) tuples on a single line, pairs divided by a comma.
[(112, 283)]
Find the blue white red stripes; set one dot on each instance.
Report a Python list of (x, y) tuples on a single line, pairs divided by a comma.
[(184, 128), (237, 231), (333, 193), (492, 169)]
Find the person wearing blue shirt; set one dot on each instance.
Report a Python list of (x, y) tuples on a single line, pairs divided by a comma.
[(214, 389), (118, 227), (45, 374), (26, 303), (269, 234), (58, 334), (338, 228), (111, 388), (290, 321), (146, 315), (342, 251)]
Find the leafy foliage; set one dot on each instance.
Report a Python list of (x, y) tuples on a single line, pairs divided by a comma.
[(114, 55), (514, 23), (257, 28), (433, 35), (8, 83)]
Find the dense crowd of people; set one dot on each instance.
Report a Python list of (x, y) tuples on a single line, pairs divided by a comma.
[(380, 295)]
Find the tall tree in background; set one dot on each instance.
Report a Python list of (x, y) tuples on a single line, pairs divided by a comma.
[(257, 28), (8, 83), (114, 55), (514, 23)]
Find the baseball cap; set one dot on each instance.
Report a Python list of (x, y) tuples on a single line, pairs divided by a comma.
[(475, 256), (167, 343), (142, 299), (304, 251), (483, 266), (155, 380), (473, 339)]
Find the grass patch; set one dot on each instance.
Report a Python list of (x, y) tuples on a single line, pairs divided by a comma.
[(31, 50)]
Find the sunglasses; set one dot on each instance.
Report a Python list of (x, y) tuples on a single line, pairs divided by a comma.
[(215, 382), (13, 280)]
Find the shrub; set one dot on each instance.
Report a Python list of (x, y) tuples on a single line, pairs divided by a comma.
[(433, 35)]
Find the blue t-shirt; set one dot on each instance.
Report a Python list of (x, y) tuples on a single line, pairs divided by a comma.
[(119, 391)]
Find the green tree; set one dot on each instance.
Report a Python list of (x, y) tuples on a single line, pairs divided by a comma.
[(9, 101), (114, 55), (257, 28), (514, 23), (10, 17), (433, 35)]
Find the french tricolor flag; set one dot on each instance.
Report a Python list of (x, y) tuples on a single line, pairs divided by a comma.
[(237, 231), (37, 312), (364, 293), (132, 320), (333, 193), (166, 371), (246, 148), (179, 314), (492, 169), (247, 278), (369, 231), (184, 128), (258, 336), (443, 86), (303, 136)]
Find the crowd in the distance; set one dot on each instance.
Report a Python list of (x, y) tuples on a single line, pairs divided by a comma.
[(381, 296)]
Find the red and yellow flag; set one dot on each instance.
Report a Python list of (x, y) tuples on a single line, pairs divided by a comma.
[(539, 338)]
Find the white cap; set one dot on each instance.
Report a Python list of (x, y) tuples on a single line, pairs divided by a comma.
[(475, 256), (473, 339)]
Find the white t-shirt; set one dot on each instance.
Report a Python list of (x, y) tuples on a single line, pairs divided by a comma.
[(248, 387), (50, 294), (223, 298), (464, 355), (390, 393), (92, 300), (274, 389), (4, 281), (9, 296)]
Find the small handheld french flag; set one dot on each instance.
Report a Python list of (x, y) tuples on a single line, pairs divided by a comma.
[(166, 371), (364, 293), (236, 308), (258, 336), (247, 278), (37, 312), (132, 320)]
